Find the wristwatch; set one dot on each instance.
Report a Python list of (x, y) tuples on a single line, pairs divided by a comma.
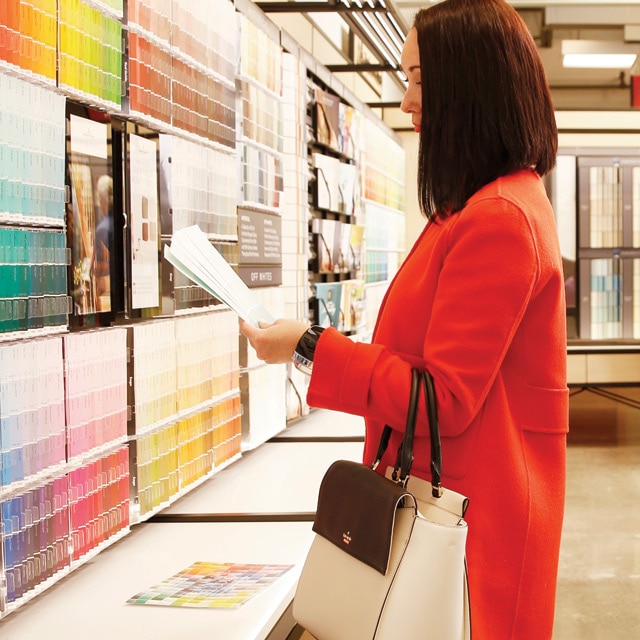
[(305, 349)]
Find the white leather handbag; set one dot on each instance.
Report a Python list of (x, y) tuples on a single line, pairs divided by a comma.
[(388, 557)]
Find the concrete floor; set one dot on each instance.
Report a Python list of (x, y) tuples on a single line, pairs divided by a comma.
[(599, 578), (598, 595)]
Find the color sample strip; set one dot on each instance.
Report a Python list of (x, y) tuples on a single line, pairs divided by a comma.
[(149, 77), (606, 299), (212, 585), (195, 437), (96, 389), (207, 357), (260, 56), (98, 501), (32, 153), (208, 439), (154, 374), (28, 35), (225, 367), (203, 69), (206, 37), (157, 468), (35, 537), (195, 356), (384, 168), (90, 54), (203, 187), (227, 430), (262, 177), (32, 423), (182, 66), (202, 103), (261, 115), (605, 206), (33, 279)]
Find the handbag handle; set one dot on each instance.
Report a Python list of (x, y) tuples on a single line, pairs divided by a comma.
[(405, 451)]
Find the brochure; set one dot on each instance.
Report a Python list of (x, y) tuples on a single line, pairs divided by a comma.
[(191, 253), (212, 585)]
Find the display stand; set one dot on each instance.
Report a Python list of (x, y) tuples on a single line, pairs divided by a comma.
[(258, 510)]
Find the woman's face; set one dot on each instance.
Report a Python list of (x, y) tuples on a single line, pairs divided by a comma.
[(412, 101)]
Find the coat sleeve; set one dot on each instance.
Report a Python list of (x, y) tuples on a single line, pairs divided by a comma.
[(489, 268)]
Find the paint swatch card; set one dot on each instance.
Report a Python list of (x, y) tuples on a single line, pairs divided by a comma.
[(193, 254), (212, 585)]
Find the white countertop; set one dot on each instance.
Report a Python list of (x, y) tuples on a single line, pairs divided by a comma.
[(91, 601)]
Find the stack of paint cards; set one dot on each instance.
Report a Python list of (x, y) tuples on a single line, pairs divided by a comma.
[(35, 538), (96, 389), (99, 502)]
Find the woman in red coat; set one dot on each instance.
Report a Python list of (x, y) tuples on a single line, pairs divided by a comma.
[(479, 302)]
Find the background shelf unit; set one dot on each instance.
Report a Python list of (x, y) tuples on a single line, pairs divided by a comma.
[(608, 246)]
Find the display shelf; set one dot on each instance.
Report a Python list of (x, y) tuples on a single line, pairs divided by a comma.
[(180, 69), (91, 602)]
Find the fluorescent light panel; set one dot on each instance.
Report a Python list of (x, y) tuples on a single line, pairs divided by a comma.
[(599, 60), (598, 54)]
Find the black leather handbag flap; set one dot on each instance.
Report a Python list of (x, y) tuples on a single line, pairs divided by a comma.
[(356, 511)]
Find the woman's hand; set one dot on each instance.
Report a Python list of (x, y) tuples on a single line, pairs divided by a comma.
[(274, 343)]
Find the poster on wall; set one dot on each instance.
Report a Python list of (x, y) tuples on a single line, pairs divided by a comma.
[(145, 288), (90, 222)]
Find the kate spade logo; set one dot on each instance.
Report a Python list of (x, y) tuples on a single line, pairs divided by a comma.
[(346, 537)]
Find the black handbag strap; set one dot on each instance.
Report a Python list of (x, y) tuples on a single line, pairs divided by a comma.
[(404, 459)]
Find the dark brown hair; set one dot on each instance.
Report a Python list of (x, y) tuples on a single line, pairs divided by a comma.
[(486, 104)]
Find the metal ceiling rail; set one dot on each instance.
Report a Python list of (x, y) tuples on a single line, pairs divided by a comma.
[(377, 23)]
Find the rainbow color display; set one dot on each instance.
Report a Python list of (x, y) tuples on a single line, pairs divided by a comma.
[(90, 56)]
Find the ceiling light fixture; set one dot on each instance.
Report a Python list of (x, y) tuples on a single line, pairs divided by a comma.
[(384, 38), (598, 54), (381, 47)]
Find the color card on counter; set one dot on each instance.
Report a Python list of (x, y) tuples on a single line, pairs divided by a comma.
[(212, 585)]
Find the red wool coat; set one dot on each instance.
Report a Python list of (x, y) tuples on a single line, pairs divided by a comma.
[(479, 302)]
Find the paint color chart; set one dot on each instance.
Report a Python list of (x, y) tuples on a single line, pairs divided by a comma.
[(212, 585), (96, 389), (155, 398), (90, 55), (384, 168), (260, 56), (206, 352), (262, 177), (28, 36), (157, 468), (182, 66), (260, 141), (35, 537), (606, 299), (203, 72), (33, 279), (185, 399), (149, 77), (98, 502), (202, 187), (384, 234), (32, 428), (174, 457), (208, 439), (32, 153), (605, 206)]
